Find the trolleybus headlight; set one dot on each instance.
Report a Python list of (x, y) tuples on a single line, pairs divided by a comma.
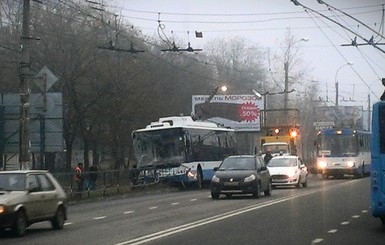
[(249, 178), (215, 179), (350, 164), (322, 164)]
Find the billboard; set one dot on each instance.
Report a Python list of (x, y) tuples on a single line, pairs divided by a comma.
[(341, 116), (240, 112), (50, 126)]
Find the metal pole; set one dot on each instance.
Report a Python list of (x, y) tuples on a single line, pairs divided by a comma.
[(286, 98), (24, 67), (264, 109), (369, 114), (42, 125), (336, 93)]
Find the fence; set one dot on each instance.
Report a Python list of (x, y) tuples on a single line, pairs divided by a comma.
[(108, 182)]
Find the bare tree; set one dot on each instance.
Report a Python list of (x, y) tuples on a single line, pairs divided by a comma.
[(237, 64)]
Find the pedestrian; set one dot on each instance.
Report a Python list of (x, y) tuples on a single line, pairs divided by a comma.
[(79, 178), (267, 157), (93, 176)]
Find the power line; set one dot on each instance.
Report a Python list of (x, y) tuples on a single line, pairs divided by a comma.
[(339, 52), (336, 22), (231, 14)]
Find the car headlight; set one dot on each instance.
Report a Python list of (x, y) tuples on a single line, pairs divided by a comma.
[(350, 164), (215, 179), (249, 178), (2, 209), (322, 164), (291, 172)]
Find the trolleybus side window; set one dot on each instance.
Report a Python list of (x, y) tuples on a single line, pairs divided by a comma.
[(381, 117)]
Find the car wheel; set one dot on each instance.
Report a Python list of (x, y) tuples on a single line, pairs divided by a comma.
[(214, 195), (20, 224), (360, 173), (58, 220), (268, 191), (298, 185), (304, 184), (382, 218), (257, 192)]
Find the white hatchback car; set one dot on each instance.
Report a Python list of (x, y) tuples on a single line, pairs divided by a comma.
[(287, 171)]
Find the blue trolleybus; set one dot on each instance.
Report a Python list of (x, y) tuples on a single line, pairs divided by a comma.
[(378, 161), (343, 151), (181, 150)]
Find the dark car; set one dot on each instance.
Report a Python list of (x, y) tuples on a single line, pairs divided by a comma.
[(241, 174), (30, 196)]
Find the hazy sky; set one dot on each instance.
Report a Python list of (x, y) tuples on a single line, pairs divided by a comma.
[(265, 22)]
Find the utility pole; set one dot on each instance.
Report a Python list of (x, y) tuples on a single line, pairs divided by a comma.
[(369, 113), (336, 80), (25, 75), (286, 98)]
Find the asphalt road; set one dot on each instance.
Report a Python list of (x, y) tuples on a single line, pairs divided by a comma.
[(326, 212)]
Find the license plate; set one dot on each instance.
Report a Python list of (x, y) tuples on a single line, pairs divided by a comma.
[(279, 180), (231, 183)]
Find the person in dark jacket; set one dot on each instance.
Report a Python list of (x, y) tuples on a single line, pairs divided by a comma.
[(267, 157)]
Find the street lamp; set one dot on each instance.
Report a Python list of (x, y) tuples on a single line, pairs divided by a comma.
[(336, 81), (214, 92), (260, 96), (286, 68)]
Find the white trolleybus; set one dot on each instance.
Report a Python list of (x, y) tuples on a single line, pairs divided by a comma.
[(181, 150), (343, 151)]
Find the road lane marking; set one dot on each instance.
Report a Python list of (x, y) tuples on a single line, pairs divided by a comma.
[(174, 203), (68, 223), (129, 212), (100, 217), (151, 208), (345, 223), (333, 231), (193, 200), (318, 240), (364, 211), (355, 216), (212, 219)]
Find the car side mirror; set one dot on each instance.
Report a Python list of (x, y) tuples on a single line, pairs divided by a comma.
[(263, 168), (216, 169)]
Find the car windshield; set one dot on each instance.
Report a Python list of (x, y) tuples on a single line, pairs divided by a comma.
[(12, 181), (282, 162), (238, 163)]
